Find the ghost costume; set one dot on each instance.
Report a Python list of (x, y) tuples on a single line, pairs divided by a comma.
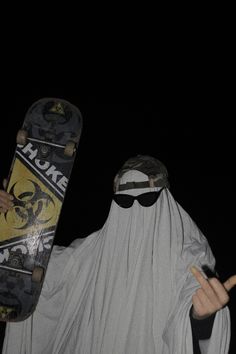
[(125, 289)]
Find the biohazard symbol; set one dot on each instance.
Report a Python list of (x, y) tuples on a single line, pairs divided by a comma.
[(31, 207)]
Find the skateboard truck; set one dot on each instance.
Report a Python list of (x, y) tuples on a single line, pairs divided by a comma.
[(69, 148), (15, 264), (37, 274)]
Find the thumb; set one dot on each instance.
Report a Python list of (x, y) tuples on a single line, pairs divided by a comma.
[(230, 283)]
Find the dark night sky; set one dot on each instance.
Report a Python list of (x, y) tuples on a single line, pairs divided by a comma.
[(191, 133)]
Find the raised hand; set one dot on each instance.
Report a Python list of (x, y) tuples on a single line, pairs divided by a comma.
[(211, 296)]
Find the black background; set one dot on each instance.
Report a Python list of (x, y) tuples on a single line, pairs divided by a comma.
[(191, 131)]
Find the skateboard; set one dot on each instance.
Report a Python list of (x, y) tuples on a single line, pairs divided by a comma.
[(45, 153)]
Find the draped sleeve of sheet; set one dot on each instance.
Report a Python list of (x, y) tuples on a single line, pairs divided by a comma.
[(125, 289)]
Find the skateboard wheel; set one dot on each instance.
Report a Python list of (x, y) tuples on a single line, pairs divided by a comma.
[(69, 149), (21, 137), (37, 274)]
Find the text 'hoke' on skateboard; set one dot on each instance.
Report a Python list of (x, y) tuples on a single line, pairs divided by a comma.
[(45, 153)]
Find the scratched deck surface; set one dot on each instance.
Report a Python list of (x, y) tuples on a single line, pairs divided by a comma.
[(38, 181)]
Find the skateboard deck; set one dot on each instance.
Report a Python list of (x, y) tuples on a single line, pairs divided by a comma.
[(45, 153)]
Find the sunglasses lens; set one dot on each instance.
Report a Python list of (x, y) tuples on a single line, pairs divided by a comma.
[(147, 199), (123, 200)]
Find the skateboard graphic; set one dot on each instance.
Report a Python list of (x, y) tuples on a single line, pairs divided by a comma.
[(45, 153)]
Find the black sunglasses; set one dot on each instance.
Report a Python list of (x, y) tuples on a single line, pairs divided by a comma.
[(145, 199)]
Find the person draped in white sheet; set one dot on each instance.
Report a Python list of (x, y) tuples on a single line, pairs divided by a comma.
[(135, 286)]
